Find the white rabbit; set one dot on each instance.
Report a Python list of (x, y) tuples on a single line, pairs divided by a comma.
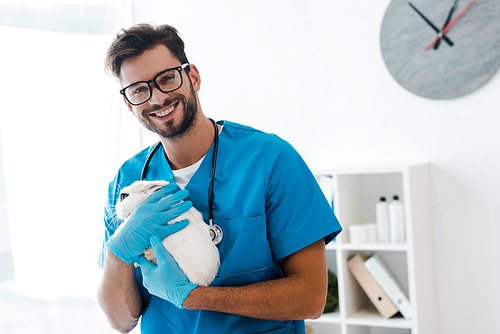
[(191, 247)]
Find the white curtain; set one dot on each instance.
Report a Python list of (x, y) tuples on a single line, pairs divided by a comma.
[(63, 133)]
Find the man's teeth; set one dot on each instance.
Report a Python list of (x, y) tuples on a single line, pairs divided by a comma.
[(166, 112)]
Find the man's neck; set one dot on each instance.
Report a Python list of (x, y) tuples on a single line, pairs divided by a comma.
[(189, 149)]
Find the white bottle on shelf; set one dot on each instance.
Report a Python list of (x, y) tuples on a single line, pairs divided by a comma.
[(382, 216), (396, 219)]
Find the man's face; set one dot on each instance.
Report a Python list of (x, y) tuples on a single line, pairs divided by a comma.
[(170, 115)]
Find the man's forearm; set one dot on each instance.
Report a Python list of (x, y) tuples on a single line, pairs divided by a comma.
[(271, 300), (118, 294), (301, 294)]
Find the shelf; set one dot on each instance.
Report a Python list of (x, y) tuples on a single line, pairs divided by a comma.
[(354, 192), (366, 316), (369, 316)]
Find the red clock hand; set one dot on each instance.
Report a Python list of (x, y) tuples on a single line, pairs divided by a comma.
[(448, 27)]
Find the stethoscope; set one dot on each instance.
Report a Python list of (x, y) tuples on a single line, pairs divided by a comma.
[(215, 230)]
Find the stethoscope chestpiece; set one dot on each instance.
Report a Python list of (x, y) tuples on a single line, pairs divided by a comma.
[(216, 233)]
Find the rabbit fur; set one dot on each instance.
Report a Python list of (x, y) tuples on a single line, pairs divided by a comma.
[(192, 247)]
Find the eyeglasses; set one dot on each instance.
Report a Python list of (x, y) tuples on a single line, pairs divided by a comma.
[(166, 82)]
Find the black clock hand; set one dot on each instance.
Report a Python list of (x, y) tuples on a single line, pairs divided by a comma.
[(449, 25), (446, 39), (436, 46)]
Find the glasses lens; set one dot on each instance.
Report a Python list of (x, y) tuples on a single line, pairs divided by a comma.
[(169, 80), (138, 93)]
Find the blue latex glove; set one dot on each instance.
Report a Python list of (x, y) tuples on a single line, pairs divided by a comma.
[(148, 219), (166, 280)]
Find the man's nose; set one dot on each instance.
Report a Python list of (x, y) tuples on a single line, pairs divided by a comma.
[(157, 96)]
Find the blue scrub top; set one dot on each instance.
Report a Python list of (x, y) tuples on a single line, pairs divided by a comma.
[(268, 204)]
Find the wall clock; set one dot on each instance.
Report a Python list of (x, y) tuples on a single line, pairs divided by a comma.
[(458, 63)]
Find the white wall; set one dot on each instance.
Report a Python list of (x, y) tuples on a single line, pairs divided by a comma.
[(312, 72)]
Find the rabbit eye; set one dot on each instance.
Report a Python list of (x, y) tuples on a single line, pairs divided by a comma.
[(123, 196)]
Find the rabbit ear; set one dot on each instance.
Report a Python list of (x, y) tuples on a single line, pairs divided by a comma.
[(154, 186)]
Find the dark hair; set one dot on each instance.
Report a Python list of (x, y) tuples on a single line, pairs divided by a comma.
[(132, 42)]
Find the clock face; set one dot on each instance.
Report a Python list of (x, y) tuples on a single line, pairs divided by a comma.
[(447, 71)]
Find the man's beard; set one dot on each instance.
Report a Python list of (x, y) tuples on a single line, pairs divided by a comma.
[(172, 132)]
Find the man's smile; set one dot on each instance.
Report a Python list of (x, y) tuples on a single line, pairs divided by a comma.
[(164, 112)]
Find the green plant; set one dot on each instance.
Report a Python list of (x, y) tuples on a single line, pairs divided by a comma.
[(332, 296)]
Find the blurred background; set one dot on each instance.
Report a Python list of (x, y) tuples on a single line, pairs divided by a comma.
[(310, 71)]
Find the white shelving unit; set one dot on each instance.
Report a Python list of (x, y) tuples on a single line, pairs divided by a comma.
[(355, 193)]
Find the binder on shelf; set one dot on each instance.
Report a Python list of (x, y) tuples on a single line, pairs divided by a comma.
[(379, 271), (377, 296)]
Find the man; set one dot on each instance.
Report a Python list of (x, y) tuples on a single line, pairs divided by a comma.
[(274, 217)]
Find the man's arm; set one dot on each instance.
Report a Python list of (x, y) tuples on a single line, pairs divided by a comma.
[(301, 294), (118, 294)]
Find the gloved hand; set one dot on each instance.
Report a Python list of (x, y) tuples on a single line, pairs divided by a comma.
[(166, 280), (148, 219)]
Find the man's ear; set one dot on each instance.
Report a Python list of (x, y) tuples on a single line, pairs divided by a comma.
[(129, 106), (194, 75)]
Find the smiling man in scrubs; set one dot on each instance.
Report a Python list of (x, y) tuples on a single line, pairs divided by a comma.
[(275, 219)]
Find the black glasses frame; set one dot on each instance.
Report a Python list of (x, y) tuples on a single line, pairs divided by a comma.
[(149, 82)]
